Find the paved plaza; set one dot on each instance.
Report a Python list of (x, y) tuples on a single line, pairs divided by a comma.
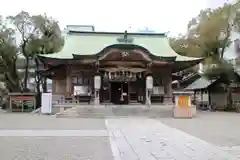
[(211, 135), (218, 128)]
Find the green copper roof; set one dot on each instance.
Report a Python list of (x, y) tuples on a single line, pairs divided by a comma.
[(90, 43)]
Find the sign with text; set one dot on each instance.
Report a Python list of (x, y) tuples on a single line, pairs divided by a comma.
[(81, 90), (183, 101), (23, 100)]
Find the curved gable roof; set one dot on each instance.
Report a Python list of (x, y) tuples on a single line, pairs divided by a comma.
[(91, 43)]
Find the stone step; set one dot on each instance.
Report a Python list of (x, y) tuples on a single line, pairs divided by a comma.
[(80, 115), (109, 111)]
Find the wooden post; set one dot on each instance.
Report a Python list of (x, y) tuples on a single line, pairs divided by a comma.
[(53, 86), (168, 87), (34, 102), (22, 105), (128, 93), (68, 80), (109, 92), (10, 102)]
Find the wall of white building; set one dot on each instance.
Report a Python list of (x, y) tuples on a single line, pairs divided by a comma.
[(83, 28)]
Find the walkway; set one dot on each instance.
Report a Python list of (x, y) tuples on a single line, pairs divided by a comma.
[(149, 139), (37, 137)]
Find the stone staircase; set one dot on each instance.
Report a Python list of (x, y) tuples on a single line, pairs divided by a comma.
[(83, 111), (103, 111), (71, 112)]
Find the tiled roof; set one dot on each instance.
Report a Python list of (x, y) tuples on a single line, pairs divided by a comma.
[(200, 83), (90, 43)]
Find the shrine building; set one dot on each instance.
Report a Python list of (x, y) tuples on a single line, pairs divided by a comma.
[(115, 68)]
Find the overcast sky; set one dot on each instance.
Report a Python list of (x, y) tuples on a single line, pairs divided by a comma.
[(115, 15)]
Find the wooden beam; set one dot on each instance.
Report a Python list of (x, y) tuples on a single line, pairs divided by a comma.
[(123, 63), (160, 62)]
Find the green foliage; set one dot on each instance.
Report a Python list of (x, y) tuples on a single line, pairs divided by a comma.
[(208, 34), (186, 46), (38, 34), (8, 57), (223, 69), (48, 38)]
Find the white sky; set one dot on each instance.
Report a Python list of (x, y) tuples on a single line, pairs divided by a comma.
[(217, 3), (114, 15)]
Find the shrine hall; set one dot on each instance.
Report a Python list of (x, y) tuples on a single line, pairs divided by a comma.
[(115, 68)]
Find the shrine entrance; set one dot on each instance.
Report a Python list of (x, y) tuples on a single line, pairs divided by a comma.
[(119, 92), (123, 68)]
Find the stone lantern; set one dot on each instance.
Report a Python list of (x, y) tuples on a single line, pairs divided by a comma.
[(97, 86), (149, 88)]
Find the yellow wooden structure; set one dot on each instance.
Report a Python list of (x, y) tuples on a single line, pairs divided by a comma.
[(183, 107)]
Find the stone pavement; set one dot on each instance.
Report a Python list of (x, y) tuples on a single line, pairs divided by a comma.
[(39, 137), (218, 128), (149, 139), (55, 148), (36, 137), (222, 128), (235, 150)]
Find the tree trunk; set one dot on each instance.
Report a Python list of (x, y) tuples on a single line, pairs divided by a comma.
[(38, 83), (26, 74), (44, 84), (11, 77), (11, 86), (229, 98)]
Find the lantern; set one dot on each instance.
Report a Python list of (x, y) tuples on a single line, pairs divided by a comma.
[(149, 82), (97, 82)]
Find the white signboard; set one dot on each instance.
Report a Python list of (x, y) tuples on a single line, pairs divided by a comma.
[(97, 82), (80, 90), (46, 103)]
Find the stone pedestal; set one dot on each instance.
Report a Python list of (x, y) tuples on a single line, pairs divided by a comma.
[(96, 98), (183, 107), (148, 97), (149, 87)]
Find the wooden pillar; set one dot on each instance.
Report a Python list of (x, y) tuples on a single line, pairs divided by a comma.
[(109, 92), (178, 84), (169, 90), (54, 86), (168, 87), (68, 81)]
